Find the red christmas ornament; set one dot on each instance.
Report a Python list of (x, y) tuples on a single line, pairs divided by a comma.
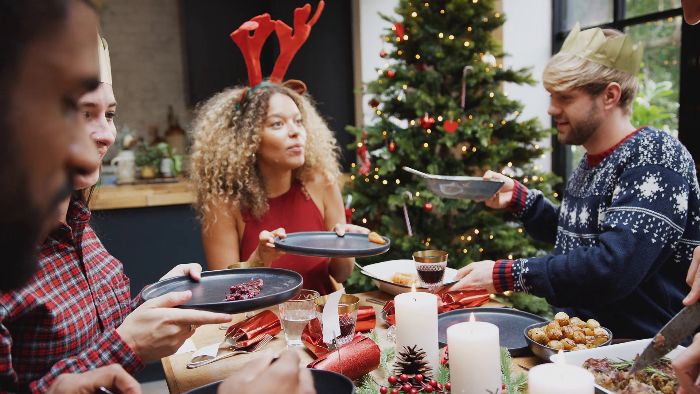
[(398, 27), (427, 121), (428, 207), (390, 73), (450, 126), (391, 145), (363, 156), (374, 103), (382, 53)]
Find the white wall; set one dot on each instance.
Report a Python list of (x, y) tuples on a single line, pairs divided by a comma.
[(372, 28), (526, 37)]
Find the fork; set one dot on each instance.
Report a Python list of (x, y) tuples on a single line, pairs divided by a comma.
[(258, 346)]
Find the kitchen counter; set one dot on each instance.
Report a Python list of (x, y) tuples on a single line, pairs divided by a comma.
[(142, 195)]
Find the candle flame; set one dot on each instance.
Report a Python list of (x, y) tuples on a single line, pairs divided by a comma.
[(471, 317)]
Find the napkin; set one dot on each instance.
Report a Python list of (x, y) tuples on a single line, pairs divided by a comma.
[(353, 360), (331, 320), (312, 336), (253, 329)]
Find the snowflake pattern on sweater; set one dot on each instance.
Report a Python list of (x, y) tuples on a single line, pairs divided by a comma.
[(624, 238)]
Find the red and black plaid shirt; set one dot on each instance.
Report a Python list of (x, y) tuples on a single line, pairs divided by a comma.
[(65, 319)]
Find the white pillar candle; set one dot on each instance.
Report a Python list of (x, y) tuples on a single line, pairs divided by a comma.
[(416, 324), (475, 358), (559, 377)]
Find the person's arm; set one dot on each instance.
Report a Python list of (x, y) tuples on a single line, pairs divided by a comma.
[(112, 377), (220, 237), (640, 228), (537, 213), (108, 348)]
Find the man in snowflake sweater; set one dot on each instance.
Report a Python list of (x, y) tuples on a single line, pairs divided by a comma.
[(629, 220)]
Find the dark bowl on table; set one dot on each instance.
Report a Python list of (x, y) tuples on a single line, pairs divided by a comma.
[(543, 352), (325, 382)]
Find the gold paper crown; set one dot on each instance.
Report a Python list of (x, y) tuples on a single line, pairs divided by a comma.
[(618, 52), (103, 60)]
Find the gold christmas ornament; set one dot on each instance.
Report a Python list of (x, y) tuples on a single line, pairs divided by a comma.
[(620, 52), (103, 60)]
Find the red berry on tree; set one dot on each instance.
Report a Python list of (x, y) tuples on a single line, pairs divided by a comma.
[(403, 377), (448, 386), (419, 378), (414, 391), (382, 53), (428, 389), (383, 390), (394, 391), (392, 380), (433, 382), (407, 388)]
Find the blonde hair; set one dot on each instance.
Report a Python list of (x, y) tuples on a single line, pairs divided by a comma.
[(566, 71), (226, 137)]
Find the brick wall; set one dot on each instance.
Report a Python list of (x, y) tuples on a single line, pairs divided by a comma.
[(147, 62)]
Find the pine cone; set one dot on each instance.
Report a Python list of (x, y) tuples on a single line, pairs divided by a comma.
[(412, 361)]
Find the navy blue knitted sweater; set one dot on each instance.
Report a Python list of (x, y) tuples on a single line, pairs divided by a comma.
[(624, 235)]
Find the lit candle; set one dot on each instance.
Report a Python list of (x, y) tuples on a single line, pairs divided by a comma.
[(417, 325), (559, 377), (475, 358)]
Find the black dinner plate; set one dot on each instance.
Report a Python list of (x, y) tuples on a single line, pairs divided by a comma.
[(511, 323), (329, 244), (325, 382), (209, 293)]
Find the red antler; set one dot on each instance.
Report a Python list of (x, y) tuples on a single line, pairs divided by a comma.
[(289, 45), (251, 45)]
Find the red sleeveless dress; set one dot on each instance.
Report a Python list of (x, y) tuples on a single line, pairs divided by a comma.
[(294, 211)]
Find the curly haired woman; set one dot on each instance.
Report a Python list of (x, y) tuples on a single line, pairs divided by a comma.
[(268, 162)]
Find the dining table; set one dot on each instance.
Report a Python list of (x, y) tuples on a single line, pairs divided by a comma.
[(180, 379)]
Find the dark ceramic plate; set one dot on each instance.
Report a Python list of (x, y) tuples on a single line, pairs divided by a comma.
[(279, 285), (329, 244), (325, 382), (511, 323)]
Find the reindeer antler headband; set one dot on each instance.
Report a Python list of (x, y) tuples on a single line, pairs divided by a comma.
[(290, 41)]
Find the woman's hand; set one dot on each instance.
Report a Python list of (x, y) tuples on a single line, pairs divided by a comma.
[(266, 252), (156, 329), (342, 228), (192, 270), (502, 198)]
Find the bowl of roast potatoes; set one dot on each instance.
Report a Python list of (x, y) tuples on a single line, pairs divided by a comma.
[(566, 334)]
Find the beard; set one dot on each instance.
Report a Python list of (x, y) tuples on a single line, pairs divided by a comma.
[(20, 230), (581, 131)]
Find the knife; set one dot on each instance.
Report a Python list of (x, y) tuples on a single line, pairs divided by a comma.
[(671, 335)]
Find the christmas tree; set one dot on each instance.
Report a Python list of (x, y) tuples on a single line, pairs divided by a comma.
[(439, 107)]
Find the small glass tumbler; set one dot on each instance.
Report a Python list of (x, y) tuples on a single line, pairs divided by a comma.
[(430, 266), (296, 313), (347, 316)]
